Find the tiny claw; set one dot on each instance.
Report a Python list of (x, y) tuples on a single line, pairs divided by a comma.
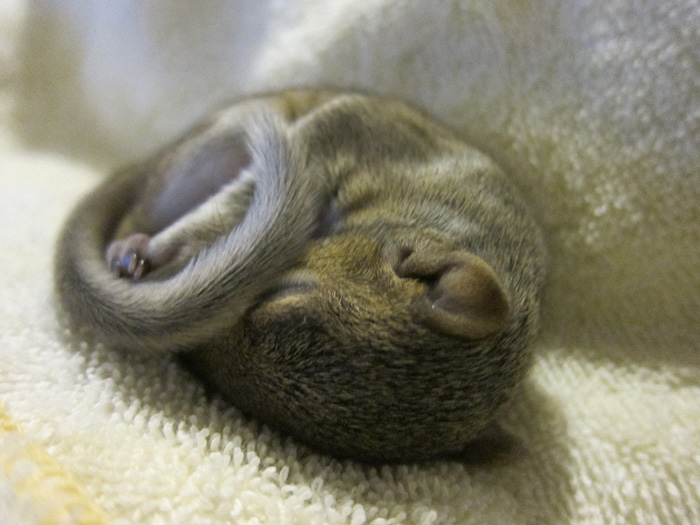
[(131, 261), (141, 268), (114, 266)]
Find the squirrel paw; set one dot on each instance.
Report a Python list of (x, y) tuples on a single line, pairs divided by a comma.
[(128, 257)]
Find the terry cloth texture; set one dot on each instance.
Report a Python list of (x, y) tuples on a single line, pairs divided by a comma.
[(593, 106)]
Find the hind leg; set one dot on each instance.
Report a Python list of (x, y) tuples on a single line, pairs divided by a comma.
[(196, 192)]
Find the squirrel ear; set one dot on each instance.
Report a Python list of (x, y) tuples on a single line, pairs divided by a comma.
[(463, 296)]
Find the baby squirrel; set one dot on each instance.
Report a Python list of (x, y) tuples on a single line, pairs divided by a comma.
[(337, 265)]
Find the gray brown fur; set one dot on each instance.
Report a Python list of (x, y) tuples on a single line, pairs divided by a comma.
[(371, 292)]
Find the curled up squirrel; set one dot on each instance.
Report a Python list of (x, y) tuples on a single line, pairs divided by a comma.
[(337, 265)]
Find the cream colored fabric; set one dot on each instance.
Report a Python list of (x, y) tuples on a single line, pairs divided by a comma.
[(592, 105), (34, 488)]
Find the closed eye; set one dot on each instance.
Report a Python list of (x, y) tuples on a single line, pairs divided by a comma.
[(294, 285)]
